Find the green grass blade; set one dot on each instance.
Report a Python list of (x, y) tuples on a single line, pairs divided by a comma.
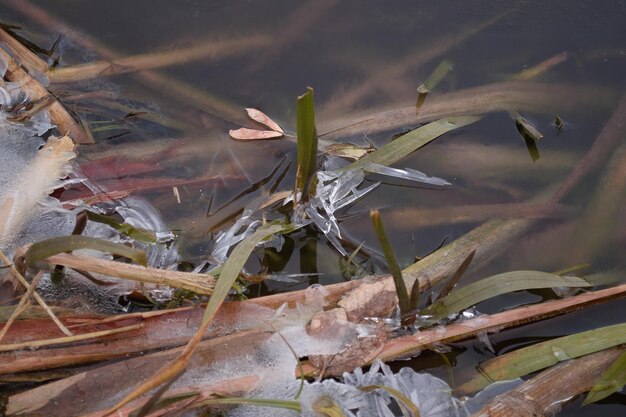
[(307, 143), (235, 262), (493, 286), (136, 233), (611, 381), (542, 355), (41, 250), (438, 74), (410, 142), (394, 268)]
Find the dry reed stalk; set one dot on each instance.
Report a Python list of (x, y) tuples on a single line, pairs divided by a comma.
[(200, 283), (213, 50), (548, 392), (35, 91), (16, 274)]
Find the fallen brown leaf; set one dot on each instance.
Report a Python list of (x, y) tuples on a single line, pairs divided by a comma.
[(253, 134), (259, 116)]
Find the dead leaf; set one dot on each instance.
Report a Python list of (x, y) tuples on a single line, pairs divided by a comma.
[(347, 150), (253, 134), (259, 116)]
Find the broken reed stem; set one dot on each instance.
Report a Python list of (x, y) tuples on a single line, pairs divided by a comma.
[(546, 393), (210, 49), (22, 304), (25, 56), (68, 339), (35, 91), (36, 296), (199, 283)]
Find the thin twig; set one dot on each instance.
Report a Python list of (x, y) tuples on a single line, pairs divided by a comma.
[(22, 304), (36, 296), (69, 339)]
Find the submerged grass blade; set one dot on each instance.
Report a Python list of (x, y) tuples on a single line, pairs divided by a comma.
[(41, 250), (410, 142), (542, 355), (495, 285), (307, 143), (394, 268), (139, 234), (611, 381)]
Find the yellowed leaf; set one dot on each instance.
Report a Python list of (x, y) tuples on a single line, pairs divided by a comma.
[(253, 134), (347, 150), (259, 116)]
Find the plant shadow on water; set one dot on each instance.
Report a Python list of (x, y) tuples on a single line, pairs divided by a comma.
[(517, 124)]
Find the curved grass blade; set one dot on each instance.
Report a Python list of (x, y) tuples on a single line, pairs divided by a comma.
[(410, 142), (495, 285), (542, 355), (327, 407), (137, 233), (307, 143), (263, 402), (41, 250), (611, 381)]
